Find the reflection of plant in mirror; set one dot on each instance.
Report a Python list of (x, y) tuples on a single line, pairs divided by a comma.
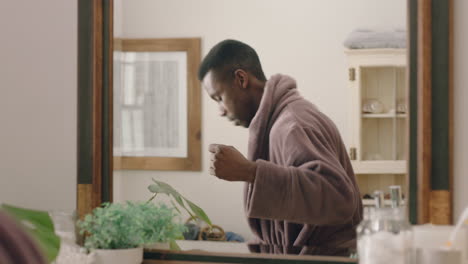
[(40, 226), (130, 225), (195, 211)]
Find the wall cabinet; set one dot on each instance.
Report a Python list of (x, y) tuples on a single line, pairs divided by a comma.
[(378, 118)]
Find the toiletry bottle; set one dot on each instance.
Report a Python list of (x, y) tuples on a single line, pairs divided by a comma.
[(395, 196), (379, 199), (385, 236)]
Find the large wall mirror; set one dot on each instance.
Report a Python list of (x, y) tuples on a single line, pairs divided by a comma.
[(390, 101)]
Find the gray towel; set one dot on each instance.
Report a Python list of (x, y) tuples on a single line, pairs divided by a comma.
[(369, 39)]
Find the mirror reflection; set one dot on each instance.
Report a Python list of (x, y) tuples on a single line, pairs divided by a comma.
[(317, 95)]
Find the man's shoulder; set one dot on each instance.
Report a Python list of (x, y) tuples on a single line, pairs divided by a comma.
[(301, 115), (285, 123)]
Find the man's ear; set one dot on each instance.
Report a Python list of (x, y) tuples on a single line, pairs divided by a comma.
[(241, 78)]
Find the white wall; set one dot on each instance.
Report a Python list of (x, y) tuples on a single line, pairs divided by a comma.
[(301, 38), (460, 106), (38, 50)]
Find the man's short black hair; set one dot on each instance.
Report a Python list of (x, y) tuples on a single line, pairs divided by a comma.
[(229, 55)]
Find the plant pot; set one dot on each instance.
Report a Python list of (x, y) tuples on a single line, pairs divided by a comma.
[(118, 256)]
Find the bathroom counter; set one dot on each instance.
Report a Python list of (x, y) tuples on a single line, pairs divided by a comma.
[(196, 252), (213, 246)]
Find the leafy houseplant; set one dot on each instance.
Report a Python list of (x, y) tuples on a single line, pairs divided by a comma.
[(117, 232), (129, 225)]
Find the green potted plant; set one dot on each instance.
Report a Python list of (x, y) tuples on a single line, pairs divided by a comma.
[(117, 233)]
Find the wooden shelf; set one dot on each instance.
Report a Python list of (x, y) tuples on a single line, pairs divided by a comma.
[(380, 166), (370, 202), (385, 115), (376, 57)]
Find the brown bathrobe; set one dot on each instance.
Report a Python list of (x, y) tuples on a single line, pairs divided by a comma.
[(305, 199)]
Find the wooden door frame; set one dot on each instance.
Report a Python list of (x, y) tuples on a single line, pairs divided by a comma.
[(431, 97)]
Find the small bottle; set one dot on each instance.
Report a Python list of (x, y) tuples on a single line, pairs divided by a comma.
[(395, 196), (365, 220), (363, 229), (379, 199), (384, 237)]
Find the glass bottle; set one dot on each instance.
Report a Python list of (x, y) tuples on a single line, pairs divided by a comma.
[(395, 196), (385, 235), (379, 199), (364, 227)]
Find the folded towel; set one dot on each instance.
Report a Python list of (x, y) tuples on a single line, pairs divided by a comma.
[(369, 39), (231, 236)]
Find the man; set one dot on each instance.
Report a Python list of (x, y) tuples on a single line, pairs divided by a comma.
[(301, 195)]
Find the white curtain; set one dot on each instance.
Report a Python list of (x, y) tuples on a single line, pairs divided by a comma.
[(150, 104)]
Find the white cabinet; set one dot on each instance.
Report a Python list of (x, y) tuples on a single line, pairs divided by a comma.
[(378, 117)]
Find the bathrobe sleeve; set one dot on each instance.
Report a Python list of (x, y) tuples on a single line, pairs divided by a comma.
[(312, 187)]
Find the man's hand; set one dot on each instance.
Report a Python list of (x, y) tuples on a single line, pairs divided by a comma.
[(229, 164)]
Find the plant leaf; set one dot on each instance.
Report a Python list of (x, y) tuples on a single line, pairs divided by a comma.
[(195, 210), (154, 188), (161, 187), (40, 226), (166, 188), (175, 207), (35, 217), (181, 203), (198, 212), (48, 242)]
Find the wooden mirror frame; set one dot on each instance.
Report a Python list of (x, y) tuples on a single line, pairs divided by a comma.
[(430, 57), (431, 99)]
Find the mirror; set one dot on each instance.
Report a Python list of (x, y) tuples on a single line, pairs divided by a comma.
[(429, 190), (294, 38)]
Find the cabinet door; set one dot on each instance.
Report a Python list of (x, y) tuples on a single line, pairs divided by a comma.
[(377, 113)]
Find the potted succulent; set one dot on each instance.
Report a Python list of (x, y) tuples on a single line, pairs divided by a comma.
[(116, 233)]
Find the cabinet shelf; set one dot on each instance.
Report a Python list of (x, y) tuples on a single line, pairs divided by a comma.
[(379, 167), (386, 115), (370, 202)]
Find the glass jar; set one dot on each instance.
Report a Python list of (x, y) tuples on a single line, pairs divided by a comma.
[(64, 225), (384, 236), (372, 106)]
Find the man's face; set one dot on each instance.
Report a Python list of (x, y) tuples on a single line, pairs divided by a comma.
[(231, 98)]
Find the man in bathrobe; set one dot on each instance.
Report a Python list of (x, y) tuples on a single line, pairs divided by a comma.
[(301, 195)]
